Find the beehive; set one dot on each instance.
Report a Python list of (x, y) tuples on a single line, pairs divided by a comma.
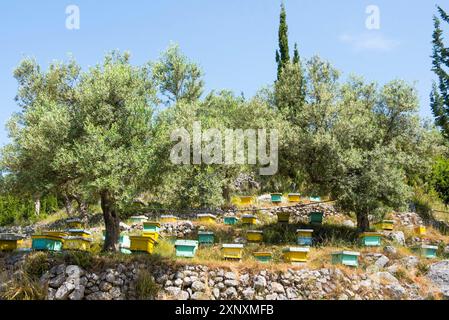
[(186, 248), (76, 243), (254, 236), (264, 257), (304, 237), (153, 235), (315, 199), (124, 241), (206, 237), (283, 217), (371, 239), (294, 197), (276, 197), (79, 233), (347, 258), (420, 230), (207, 218), (46, 243), (426, 251), (316, 217), (232, 251), (246, 200), (142, 244), (74, 223), (249, 219), (169, 219), (151, 227), (387, 225), (10, 242), (57, 234), (296, 254), (138, 219), (230, 220)]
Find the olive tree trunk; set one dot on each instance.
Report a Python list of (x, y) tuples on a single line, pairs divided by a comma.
[(362, 222), (112, 223)]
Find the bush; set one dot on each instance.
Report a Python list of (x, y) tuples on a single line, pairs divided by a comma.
[(23, 287), (146, 288), (36, 265)]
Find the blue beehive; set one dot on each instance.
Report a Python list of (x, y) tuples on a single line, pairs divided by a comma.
[(231, 220), (46, 243), (429, 252), (371, 239), (347, 258), (186, 248), (304, 237)]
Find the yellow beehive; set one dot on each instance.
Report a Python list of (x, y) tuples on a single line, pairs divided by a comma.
[(421, 230), (79, 233), (254, 236), (387, 225), (10, 242), (142, 244), (153, 235), (232, 251), (246, 200), (169, 219), (294, 197), (76, 243), (207, 218), (74, 223), (249, 219), (296, 254), (56, 234)]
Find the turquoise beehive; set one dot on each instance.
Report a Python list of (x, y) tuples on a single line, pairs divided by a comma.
[(316, 217), (206, 237), (347, 258), (186, 248), (231, 220)]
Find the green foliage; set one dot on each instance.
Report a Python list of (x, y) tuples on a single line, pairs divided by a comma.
[(36, 265), (146, 287), (440, 179), (283, 54)]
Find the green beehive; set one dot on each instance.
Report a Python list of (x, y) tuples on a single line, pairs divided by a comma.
[(264, 257), (347, 258), (206, 238), (316, 217), (276, 197), (371, 239), (186, 248)]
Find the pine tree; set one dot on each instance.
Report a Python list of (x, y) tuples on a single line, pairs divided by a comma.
[(439, 97), (283, 54)]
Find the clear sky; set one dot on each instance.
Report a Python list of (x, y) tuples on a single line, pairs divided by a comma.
[(233, 40)]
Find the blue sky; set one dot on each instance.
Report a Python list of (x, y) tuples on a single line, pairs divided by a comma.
[(233, 40)]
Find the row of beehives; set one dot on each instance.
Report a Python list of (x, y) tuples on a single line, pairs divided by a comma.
[(277, 198)]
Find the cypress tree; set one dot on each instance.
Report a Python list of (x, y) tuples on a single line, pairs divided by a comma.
[(439, 97), (283, 54), (296, 55)]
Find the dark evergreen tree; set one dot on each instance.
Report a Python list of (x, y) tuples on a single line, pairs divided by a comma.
[(439, 97), (296, 59), (283, 54)]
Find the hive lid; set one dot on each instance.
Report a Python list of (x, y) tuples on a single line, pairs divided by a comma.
[(77, 238), (248, 216), (186, 243), (425, 246), (233, 245), (349, 253), (11, 236), (364, 234), (388, 221), (263, 254), (276, 194), (79, 231), (168, 216), (296, 249), (304, 230), (151, 223), (208, 233), (255, 231), (206, 215), (232, 217), (139, 217), (73, 220), (294, 194)]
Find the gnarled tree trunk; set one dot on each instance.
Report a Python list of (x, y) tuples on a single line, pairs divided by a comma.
[(112, 223), (362, 222)]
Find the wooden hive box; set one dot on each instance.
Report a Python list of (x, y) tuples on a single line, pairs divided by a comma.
[(230, 220), (249, 219), (294, 197), (186, 248), (304, 237), (246, 200), (264, 257), (316, 217), (315, 199), (371, 239), (207, 218), (57, 234), (283, 217), (153, 235), (426, 251), (74, 223), (168, 219), (142, 244), (232, 251), (421, 230), (347, 258), (205, 237), (254, 236), (151, 226), (296, 254), (276, 197), (10, 241), (76, 244), (387, 225), (79, 233), (138, 219), (46, 243)]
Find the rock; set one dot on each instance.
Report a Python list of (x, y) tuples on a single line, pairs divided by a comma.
[(382, 262), (248, 294), (277, 287), (115, 293), (57, 281), (198, 286), (178, 282), (381, 277), (230, 276), (397, 291), (260, 283), (216, 293), (271, 296), (231, 283), (390, 250), (103, 296), (78, 293), (183, 295), (124, 227), (199, 296), (74, 271), (105, 286), (173, 291), (410, 262), (438, 273), (231, 293), (64, 291), (397, 236)]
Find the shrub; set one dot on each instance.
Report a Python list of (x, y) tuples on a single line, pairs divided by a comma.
[(146, 288), (36, 265), (23, 287)]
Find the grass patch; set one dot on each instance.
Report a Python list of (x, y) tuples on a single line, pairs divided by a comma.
[(146, 287), (24, 287)]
